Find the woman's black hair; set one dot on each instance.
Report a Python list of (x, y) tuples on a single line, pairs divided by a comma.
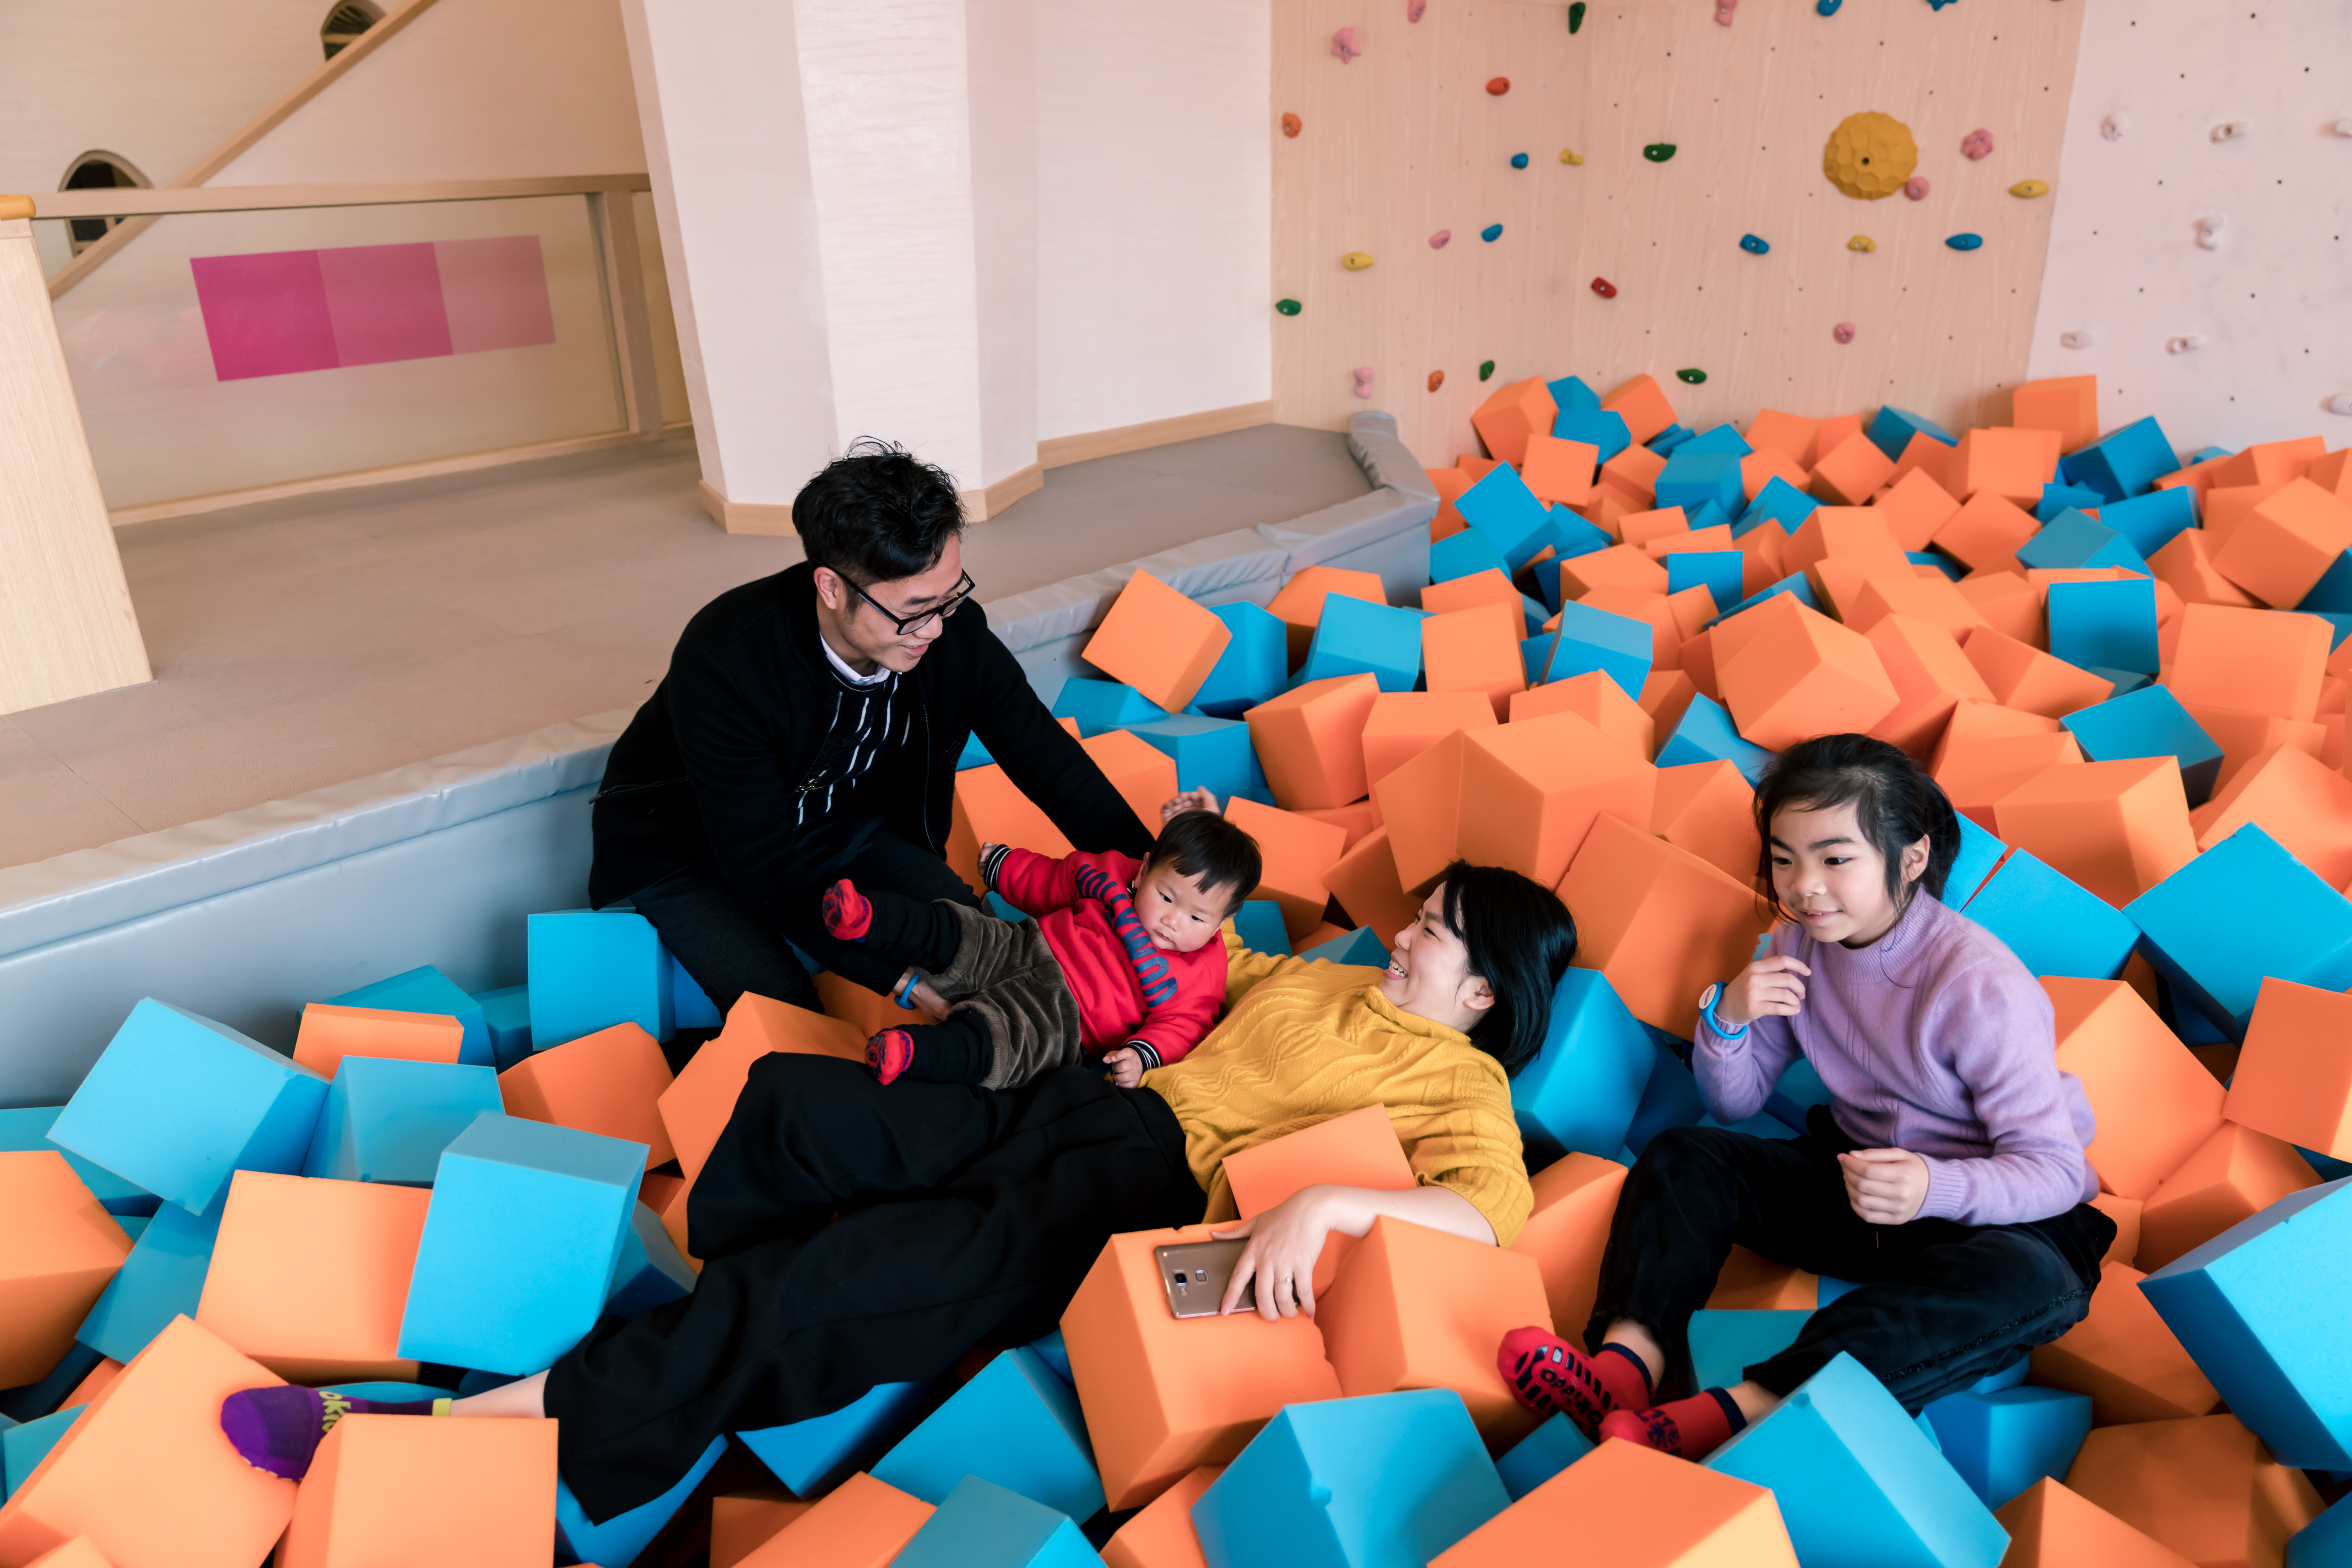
[(1896, 803), (1520, 938), (1202, 844), (877, 513)]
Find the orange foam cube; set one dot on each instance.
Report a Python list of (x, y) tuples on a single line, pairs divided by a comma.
[(696, 1104), (1164, 1396), (2255, 661), (1978, 773), (1790, 435), (1365, 883), (2156, 1106), (1668, 692), (1974, 721), (2009, 605), (1619, 566), (2270, 462), (1839, 580), (2296, 799), (1761, 467), (861, 1524), (1850, 473), (2125, 1357), (1936, 600), (1476, 649), (1359, 1149), (1641, 527), (2116, 828), (1576, 1197), (1522, 796), (2067, 404), (1449, 483), (1659, 922), (1160, 1535), (1296, 852), (1357, 818), (2333, 473), (1512, 414), (1300, 604), (989, 808), (1932, 678), (2287, 544), (328, 1033), (1634, 475), (75, 1553), (1926, 454), (1597, 698), (2125, 1212), (1158, 641), (1144, 775), (2185, 565), (2235, 1173), (1403, 724), (1837, 531), (1984, 534), (741, 1521), (1750, 1282), (2204, 1485), (1416, 1308), (1709, 809), (2246, 737), (1643, 404), (2024, 677), (2294, 1077), (1914, 508), (1559, 472), (146, 1472), (1666, 632), (869, 1012), (1795, 673), (1487, 587), (58, 1250), (2012, 464), (606, 1082), (1694, 610), (92, 1383), (1310, 740), (1630, 1506), (2051, 1527), (392, 1488), (309, 1277)]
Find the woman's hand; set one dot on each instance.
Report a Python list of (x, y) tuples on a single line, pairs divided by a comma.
[(1277, 1268), (1126, 1066), (1773, 984), (1190, 800), (1885, 1186)]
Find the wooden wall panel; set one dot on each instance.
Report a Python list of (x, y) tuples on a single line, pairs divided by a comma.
[(1405, 141)]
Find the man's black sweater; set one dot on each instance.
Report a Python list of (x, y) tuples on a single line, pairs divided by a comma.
[(712, 767)]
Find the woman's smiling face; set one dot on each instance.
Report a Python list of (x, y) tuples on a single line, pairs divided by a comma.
[(1429, 970)]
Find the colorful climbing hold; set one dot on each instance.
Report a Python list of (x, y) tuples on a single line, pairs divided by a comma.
[(1861, 242), (1571, 155), (1658, 151), (1344, 45), (1436, 379), (1499, 86), (1826, 7), (1869, 155), (1363, 381), (1519, 160), (1485, 369), (1725, 11), (1915, 187), (1576, 15), (2211, 232), (1292, 125), (1938, 5), (1437, 241), (1965, 241), (2339, 403), (1605, 289), (1356, 260), (1413, 8), (1976, 145), (1287, 307), (1753, 246), (2080, 338), (1491, 233), (2231, 130), (2116, 126), (1842, 331), (1692, 377), (2030, 188), (2186, 344)]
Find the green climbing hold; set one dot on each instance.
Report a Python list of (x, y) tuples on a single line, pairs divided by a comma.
[(1691, 377), (1576, 15), (1658, 151), (1287, 307), (1485, 369)]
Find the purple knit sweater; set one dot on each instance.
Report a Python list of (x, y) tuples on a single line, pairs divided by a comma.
[(1933, 1038)]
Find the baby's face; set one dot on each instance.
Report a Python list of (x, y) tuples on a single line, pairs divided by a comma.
[(1176, 914)]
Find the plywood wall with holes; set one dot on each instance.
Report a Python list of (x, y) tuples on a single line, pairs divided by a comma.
[(1405, 141)]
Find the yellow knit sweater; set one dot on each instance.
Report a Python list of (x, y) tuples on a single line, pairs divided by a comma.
[(1304, 1041)]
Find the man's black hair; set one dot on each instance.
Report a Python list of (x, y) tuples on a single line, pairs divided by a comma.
[(1519, 937), (1895, 804), (1202, 844), (877, 513)]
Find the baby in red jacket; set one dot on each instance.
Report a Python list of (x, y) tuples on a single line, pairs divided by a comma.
[(1121, 960)]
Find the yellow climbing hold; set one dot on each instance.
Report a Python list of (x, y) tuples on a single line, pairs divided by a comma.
[(1869, 155), (1861, 242), (1356, 260), (1569, 155), (2030, 188)]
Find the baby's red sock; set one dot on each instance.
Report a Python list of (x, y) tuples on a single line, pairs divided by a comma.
[(890, 1053), (1549, 1374), (1691, 1428), (848, 913)]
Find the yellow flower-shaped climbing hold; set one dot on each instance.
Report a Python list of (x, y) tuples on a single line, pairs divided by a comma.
[(1869, 155), (1861, 242), (1356, 260), (2030, 188)]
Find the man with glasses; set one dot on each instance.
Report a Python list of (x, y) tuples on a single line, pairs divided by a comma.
[(808, 730)]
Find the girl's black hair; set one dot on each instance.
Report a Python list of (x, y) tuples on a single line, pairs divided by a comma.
[(1520, 938), (877, 513), (1896, 803), (1202, 844)]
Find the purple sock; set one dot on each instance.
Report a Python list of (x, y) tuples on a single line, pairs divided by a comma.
[(278, 1429)]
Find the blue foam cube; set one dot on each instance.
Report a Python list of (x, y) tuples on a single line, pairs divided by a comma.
[(2149, 522), (1723, 1343), (1582, 1087), (1055, 1352), (2260, 1308), (520, 1243), (1541, 1455), (387, 1120), (1692, 479), (1357, 637), (1099, 705), (1600, 427), (390, 1393), (1255, 666), (1570, 395), (506, 1015), (2109, 624), (1892, 429), (1719, 572), (163, 1277), (2149, 722), (178, 1104), (22, 1447), (2125, 681), (1534, 656), (1798, 1091), (1796, 584), (1722, 438), (2325, 1542), (1360, 946), (1387, 1481), (1213, 755), (1979, 853), (1502, 507), (984, 1525), (1778, 501), (690, 1006), (2282, 921), (1669, 1098), (1594, 639), (1259, 925), (1705, 733), (1017, 1425), (975, 754), (27, 1131), (425, 989), (1669, 440), (591, 970), (2072, 539), (1464, 553), (618, 1541), (818, 1454), (1572, 536), (650, 1268), (2002, 1443), (2122, 463), (2332, 594), (1858, 1483), (2052, 922), (2057, 498)]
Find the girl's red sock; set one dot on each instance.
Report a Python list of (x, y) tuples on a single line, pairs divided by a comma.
[(1691, 1428), (848, 913), (1548, 1374)]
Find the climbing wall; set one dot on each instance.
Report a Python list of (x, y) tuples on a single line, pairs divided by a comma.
[(1405, 140)]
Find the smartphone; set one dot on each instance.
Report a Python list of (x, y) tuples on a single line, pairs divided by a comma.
[(1195, 1274)]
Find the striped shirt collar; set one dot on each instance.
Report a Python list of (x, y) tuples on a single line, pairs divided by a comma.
[(840, 668)]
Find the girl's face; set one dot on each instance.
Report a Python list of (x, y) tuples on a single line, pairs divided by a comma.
[(1832, 878), (1429, 970)]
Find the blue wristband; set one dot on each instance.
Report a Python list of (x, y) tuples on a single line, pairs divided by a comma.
[(1714, 1019)]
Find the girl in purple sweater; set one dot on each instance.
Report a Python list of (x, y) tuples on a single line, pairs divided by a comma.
[(1946, 1177)]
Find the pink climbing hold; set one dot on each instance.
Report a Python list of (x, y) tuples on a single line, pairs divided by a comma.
[(1344, 45), (1842, 331), (1437, 241), (1915, 187), (1413, 8), (1363, 381), (1723, 12), (1976, 145)]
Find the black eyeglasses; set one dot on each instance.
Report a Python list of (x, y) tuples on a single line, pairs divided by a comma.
[(907, 625)]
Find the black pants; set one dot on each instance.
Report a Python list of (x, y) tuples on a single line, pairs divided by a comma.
[(1942, 1304), (730, 946), (967, 1216)]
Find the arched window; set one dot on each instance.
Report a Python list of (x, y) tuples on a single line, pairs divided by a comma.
[(346, 21), (98, 171)]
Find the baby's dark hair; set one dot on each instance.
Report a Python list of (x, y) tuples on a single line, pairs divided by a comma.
[(1202, 844), (1895, 802)]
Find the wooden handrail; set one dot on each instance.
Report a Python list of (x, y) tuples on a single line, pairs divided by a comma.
[(126, 202)]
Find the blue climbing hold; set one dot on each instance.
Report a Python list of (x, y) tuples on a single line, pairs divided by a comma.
[(1938, 5), (1491, 233), (1519, 160), (1827, 7), (1753, 246), (1964, 241)]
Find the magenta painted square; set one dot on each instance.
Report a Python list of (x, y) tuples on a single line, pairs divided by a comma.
[(385, 302), (265, 314), (496, 291)]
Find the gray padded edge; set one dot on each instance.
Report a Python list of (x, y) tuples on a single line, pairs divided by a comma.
[(1386, 532), (1372, 441)]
